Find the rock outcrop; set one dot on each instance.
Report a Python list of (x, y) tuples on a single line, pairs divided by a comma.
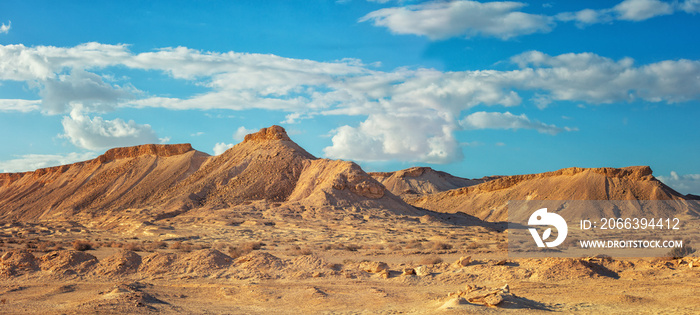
[(488, 201), (171, 179), (421, 180)]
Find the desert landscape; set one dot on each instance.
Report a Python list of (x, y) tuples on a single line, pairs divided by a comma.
[(267, 228)]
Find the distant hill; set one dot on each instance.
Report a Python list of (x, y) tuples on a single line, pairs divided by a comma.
[(488, 201), (421, 180)]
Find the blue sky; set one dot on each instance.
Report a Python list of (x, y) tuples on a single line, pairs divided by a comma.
[(471, 88)]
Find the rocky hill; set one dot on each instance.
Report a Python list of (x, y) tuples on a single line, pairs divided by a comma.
[(421, 180), (168, 180), (488, 201)]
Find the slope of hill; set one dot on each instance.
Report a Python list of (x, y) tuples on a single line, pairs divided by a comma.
[(421, 180), (119, 179), (488, 201), (171, 179)]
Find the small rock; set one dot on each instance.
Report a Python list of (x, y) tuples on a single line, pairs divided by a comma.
[(384, 274), (463, 261), (493, 299), (373, 266), (422, 271), (505, 288), (408, 272), (501, 262)]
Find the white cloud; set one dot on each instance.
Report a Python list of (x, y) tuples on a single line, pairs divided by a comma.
[(5, 28), (685, 184), (19, 105), (21, 63), (97, 133), (594, 79), (405, 137), (221, 147), (80, 88), (241, 132), (439, 20), (485, 120), (639, 10), (628, 10), (505, 19), (30, 162), (306, 88), (690, 6)]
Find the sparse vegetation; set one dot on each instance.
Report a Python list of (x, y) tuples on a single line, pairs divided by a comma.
[(296, 250), (437, 246), (82, 245), (680, 252), (430, 260), (133, 246), (352, 247)]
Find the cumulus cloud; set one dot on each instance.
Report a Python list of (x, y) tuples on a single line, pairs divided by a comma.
[(639, 10), (97, 133), (241, 132), (5, 28), (690, 6), (594, 79), (505, 19), (493, 120), (402, 98), (30, 162), (685, 184), (628, 10), (405, 138), (80, 88), (19, 105), (439, 20), (221, 147)]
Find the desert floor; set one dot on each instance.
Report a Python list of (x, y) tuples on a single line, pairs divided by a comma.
[(261, 263)]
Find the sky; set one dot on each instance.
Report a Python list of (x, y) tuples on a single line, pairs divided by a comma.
[(467, 87)]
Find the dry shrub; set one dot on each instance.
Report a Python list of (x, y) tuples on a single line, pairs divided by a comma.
[(376, 247), (161, 245), (251, 246), (81, 245), (440, 246), (242, 249), (394, 247), (430, 260), (352, 247), (325, 247), (295, 250), (186, 247), (472, 245), (47, 246), (133, 246), (414, 244), (680, 252)]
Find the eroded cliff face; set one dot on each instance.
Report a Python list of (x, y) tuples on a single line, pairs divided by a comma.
[(489, 200), (160, 150), (49, 173), (421, 180), (118, 179), (270, 133), (267, 166), (632, 173)]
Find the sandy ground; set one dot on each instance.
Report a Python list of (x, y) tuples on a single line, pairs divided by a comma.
[(218, 262)]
